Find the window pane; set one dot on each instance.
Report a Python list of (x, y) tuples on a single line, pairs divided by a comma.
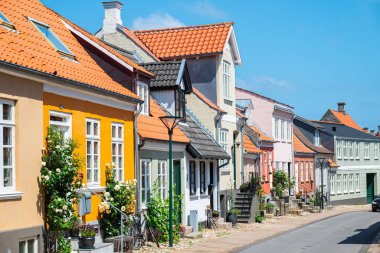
[(8, 177), (89, 164), (7, 156), (7, 112), (89, 147), (113, 149), (7, 136), (21, 246), (96, 161), (89, 175), (120, 162), (88, 124), (96, 129), (31, 246), (96, 176), (4, 18), (120, 132), (52, 38), (113, 131), (96, 147), (120, 150)]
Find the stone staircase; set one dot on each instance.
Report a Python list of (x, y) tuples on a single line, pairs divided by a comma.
[(243, 202), (99, 247)]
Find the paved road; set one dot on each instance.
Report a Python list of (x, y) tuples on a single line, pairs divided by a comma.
[(346, 233)]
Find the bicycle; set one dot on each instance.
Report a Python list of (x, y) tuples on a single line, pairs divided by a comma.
[(139, 229)]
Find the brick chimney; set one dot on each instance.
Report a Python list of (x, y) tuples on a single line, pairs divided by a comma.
[(112, 16), (342, 107)]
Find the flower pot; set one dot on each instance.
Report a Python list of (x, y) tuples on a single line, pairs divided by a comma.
[(262, 213), (87, 243), (231, 218), (74, 233), (66, 233)]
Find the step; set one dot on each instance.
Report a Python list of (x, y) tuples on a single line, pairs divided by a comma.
[(269, 215), (242, 216), (194, 235), (99, 248), (244, 194), (243, 220)]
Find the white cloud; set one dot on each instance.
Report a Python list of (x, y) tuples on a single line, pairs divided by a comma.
[(267, 80), (156, 20), (207, 9)]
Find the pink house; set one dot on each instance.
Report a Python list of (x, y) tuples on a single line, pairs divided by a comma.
[(274, 119)]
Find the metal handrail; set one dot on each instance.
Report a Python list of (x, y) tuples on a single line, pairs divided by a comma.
[(122, 215)]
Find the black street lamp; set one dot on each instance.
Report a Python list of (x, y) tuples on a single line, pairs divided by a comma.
[(321, 162), (170, 122)]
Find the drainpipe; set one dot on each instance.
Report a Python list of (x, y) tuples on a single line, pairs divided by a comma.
[(292, 148), (137, 153)]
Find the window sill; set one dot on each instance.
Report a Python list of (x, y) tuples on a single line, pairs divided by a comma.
[(204, 196), (95, 188), (357, 191), (194, 197), (352, 192), (332, 193), (228, 101), (339, 193), (345, 192), (11, 195)]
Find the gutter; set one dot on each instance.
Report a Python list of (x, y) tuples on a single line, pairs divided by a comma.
[(40, 74)]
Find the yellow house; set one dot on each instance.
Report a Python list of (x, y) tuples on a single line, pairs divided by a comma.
[(54, 73)]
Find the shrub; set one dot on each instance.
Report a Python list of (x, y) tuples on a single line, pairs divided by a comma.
[(122, 196), (259, 218), (281, 182), (158, 214), (60, 178), (87, 231)]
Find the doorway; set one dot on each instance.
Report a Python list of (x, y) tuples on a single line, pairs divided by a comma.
[(177, 183), (370, 187)]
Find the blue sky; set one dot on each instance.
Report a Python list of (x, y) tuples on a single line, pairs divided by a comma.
[(306, 53)]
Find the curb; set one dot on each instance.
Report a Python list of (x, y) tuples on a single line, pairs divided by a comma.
[(374, 247)]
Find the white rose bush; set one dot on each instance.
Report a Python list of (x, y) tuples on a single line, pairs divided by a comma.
[(120, 195), (60, 178)]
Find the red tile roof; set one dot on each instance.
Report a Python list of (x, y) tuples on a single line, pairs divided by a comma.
[(206, 100), (332, 164), (299, 147), (178, 42), (241, 115), (30, 49), (249, 146), (346, 119), (151, 127)]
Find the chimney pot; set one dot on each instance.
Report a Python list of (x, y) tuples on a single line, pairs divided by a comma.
[(112, 16), (372, 132), (365, 129), (341, 107)]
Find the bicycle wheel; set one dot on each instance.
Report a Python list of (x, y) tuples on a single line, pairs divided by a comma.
[(153, 234)]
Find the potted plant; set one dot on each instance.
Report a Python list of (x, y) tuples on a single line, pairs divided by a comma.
[(269, 207), (232, 216), (215, 213), (87, 237), (298, 195), (65, 229), (244, 187), (74, 231), (259, 218)]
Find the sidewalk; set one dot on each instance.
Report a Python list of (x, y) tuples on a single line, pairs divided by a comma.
[(245, 234)]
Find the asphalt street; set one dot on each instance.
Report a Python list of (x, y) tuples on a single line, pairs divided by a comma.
[(346, 233)]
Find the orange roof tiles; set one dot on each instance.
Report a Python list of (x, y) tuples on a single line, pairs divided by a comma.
[(241, 115), (249, 146), (299, 147), (262, 135), (332, 164), (151, 127), (186, 41), (206, 100), (30, 49), (346, 119)]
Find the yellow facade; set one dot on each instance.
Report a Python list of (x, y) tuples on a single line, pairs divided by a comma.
[(82, 110)]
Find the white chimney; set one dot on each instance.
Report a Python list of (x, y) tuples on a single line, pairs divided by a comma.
[(112, 16), (341, 107)]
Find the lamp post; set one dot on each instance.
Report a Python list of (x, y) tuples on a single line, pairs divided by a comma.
[(170, 122), (321, 162)]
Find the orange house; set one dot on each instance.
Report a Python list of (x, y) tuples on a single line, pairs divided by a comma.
[(52, 72)]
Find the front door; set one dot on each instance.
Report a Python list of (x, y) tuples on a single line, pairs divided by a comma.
[(212, 183), (370, 187), (177, 182)]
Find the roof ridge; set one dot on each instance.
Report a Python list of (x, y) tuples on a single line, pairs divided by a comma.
[(160, 62), (327, 122), (183, 27), (271, 99)]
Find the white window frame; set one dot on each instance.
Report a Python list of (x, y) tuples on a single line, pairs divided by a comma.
[(345, 184), (289, 131), (351, 182), (226, 79), (66, 126), (351, 150), (332, 184), (357, 182), (366, 150), (35, 244), (376, 151), (117, 155), (282, 129), (339, 149), (345, 153), (162, 177), (307, 171), (145, 177), (92, 139), (338, 184), (276, 128), (301, 171), (7, 124), (143, 93), (193, 179), (223, 141), (317, 141), (356, 150)]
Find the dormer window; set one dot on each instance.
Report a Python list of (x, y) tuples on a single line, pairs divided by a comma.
[(316, 138), (45, 29), (4, 21), (180, 103), (143, 93)]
